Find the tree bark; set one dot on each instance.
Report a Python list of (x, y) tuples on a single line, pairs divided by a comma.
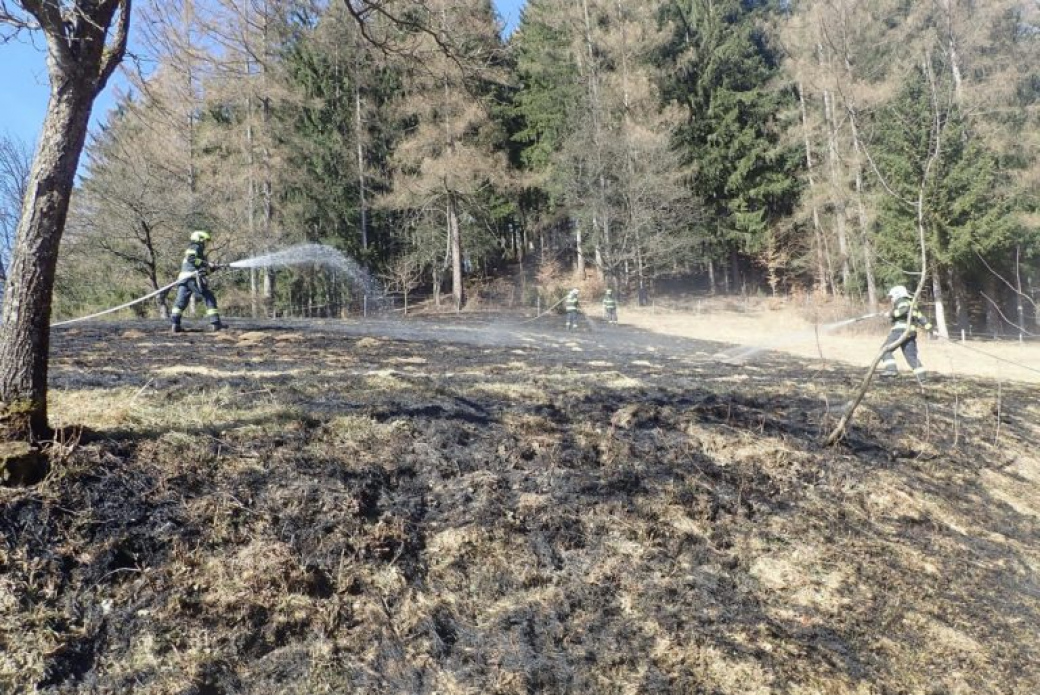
[(960, 308), (821, 266), (580, 258), (837, 191), (457, 291), (79, 65), (864, 225), (940, 305)]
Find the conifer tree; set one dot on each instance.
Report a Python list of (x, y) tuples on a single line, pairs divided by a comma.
[(720, 66)]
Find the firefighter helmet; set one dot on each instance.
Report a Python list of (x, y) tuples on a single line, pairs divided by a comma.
[(200, 236), (898, 292)]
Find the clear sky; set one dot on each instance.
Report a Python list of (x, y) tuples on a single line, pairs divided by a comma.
[(24, 86)]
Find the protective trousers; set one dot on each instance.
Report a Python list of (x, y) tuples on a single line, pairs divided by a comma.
[(909, 348), (184, 291)]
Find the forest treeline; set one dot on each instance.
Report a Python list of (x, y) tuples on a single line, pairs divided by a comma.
[(734, 145)]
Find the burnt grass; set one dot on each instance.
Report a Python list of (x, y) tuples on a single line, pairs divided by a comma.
[(482, 505)]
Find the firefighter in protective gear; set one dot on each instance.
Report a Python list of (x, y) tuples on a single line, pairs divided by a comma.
[(609, 307), (570, 306), (903, 320), (192, 281)]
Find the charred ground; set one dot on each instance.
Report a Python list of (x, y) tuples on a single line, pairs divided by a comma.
[(493, 506)]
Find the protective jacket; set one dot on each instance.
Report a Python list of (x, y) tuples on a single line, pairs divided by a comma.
[(572, 303), (195, 263), (901, 316), (609, 303)]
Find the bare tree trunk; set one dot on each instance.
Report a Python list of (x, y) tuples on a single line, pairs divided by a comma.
[(1019, 305), (864, 226), (940, 305), (960, 309), (267, 188), (821, 268), (457, 291), (152, 269), (580, 260), (362, 183), (993, 320), (254, 293), (251, 208), (79, 65), (951, 50), (25, 330), (837, 191)]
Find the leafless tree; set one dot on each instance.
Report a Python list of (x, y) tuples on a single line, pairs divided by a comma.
[(86, 41), (935, 150), (15, 162)]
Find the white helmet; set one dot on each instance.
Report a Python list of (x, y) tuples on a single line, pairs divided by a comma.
[(898, 292)]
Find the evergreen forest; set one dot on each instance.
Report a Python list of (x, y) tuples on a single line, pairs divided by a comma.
[(718, 146)]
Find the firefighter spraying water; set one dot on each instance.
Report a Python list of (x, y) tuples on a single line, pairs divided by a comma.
[(192, 281), (196, 267)]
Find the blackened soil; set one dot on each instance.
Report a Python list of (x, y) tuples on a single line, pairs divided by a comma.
[(492, 506)]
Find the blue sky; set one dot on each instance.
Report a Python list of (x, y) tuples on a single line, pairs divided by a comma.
[(24, 84)]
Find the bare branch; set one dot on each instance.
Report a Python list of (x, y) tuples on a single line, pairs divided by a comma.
[(15, 22), (117, 49), (846, 417), (850, 109), (1004, 280), (48, 15), (1008, 321)]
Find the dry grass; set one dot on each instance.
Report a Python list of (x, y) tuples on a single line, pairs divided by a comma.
[(144, 409), (787, 328), (551, 525)]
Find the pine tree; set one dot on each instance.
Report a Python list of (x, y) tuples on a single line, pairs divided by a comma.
[(967, 214), (335, 134), (720, 66)]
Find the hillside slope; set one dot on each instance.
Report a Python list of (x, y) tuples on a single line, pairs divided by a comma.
[(492, 506)]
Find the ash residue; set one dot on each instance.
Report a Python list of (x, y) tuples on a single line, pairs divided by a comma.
[(349, 513)]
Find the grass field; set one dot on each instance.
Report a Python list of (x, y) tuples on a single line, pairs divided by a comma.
[(791, 330), (489, 504)]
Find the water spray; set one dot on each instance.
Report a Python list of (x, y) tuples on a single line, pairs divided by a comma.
[(741, 353), (317, 254)]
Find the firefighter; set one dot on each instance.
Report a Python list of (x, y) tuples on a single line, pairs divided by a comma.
[(609, 307), (570, 305), (902, 321), (192, 281)]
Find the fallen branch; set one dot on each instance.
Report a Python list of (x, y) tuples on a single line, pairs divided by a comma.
[(839, 430)]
